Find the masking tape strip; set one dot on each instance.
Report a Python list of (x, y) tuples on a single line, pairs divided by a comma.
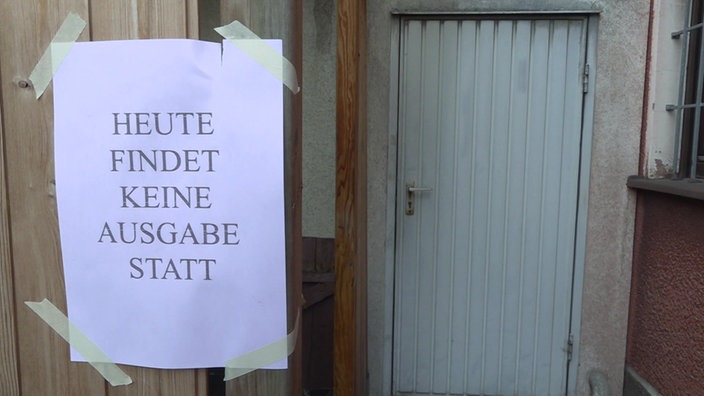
[(60, 323), (56, 52), (261, 52), (263, 356)]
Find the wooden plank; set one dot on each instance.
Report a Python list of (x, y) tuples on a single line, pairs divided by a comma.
[(192, 20), (280, 19), (236, 9), (350, 369), (318, 277), (9, 375), (294, 161), (317, 293), (318, 254), (318, 346), (26, 29), (147, 382), (140, 20)]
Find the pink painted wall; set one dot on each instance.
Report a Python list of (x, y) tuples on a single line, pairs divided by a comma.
[(666, 319)]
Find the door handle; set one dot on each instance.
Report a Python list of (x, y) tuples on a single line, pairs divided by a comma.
[(411, 189)]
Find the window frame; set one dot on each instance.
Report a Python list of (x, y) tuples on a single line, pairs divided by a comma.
[(689, 153)]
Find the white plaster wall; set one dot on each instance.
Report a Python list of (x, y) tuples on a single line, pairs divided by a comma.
[(663, 89), (319, 21), (620, 73), (621, 53)]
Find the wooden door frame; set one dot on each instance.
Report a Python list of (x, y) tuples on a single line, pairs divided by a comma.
[(350, 312)]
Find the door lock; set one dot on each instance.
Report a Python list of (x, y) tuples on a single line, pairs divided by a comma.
[(411, 189)]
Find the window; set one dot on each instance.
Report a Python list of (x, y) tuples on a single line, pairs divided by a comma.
[(690, 128)]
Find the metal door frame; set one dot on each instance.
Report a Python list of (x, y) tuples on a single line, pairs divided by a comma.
[(592, 19)]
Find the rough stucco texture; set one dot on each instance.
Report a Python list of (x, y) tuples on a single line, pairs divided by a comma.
[(666, 320), (621, 53), (319, 118)]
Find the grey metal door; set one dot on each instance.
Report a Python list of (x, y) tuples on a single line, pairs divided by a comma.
[(489, 134)]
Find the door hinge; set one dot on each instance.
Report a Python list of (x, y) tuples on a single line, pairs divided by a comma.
[(570, 346), (585, 78)]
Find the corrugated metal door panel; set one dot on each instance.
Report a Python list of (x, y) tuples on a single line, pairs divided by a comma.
[(490, 119)]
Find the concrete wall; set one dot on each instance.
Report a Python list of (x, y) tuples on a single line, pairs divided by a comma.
[(666, 327), (620, 71), (319, 30), (621, 52)]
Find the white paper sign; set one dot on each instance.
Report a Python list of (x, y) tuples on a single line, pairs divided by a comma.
[(169, 178)]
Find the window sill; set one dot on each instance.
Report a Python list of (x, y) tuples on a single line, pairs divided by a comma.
[(689, 188)]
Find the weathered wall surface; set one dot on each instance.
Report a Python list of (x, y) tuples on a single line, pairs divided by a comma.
[(319, 20), (621, 53), (663, 89), (666, 326), (319, 44)]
